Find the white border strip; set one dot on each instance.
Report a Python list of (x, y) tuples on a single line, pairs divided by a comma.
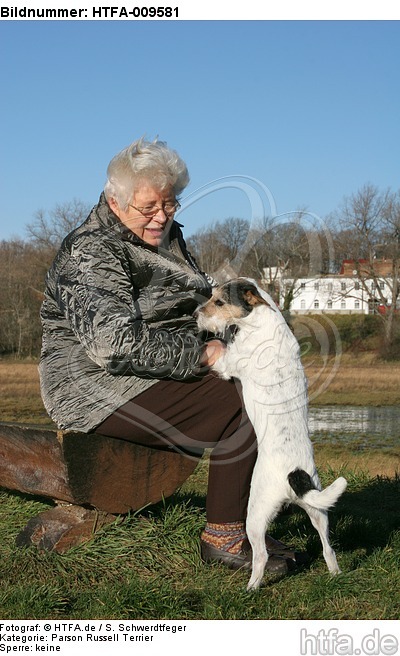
[(184, 10)]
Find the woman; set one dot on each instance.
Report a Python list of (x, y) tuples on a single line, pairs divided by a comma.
[(121, 353)]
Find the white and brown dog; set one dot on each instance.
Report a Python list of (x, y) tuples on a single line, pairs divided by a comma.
[(265, 356)]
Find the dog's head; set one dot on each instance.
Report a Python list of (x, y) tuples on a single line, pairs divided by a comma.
[(230, 302)]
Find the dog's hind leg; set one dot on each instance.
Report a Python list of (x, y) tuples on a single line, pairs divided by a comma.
[(260, 559), (319, 519), (263, 508)]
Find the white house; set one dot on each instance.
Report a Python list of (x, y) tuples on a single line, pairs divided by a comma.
[(342, 293)]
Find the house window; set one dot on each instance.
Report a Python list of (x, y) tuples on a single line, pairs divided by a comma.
[(329, 305), (342, 305), (316, 286), (343, 286), (356, 305), (357, 285), (382, 286), (316, 305), (330, 286), (302, 285)]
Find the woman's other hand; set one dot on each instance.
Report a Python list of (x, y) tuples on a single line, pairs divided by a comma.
[(213, 350)]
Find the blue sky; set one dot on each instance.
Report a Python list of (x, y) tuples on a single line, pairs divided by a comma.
[(309, 110)]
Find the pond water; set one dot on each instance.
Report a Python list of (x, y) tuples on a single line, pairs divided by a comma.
[(365, 426)]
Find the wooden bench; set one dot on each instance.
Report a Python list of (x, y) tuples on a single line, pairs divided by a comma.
[(91, 478)]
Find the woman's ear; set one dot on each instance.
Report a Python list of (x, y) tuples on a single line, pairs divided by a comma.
[(114, 206)]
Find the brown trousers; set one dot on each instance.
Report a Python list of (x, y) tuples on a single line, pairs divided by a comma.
[(203, 414)]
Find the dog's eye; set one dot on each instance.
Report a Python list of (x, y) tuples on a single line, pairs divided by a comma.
[(219, 303)]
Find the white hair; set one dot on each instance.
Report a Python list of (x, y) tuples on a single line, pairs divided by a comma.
[(150, 161)]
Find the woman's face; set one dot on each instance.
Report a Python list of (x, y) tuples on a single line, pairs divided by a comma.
[(150, 213)]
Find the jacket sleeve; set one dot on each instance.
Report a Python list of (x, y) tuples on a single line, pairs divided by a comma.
[(96, 296)]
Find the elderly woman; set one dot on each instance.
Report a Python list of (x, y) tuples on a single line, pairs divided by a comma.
[(121, 352)]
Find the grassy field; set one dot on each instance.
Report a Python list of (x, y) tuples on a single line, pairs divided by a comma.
[(148, 565)]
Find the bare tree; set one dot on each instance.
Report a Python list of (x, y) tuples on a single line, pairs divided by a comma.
[(207, 250), (219, 243), (273, 247), (370, 220), (48, 231), (23, 267), (19, 299), (285, 248), (232, 234)]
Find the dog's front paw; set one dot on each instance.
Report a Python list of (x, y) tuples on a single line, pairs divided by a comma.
[(221, 369), (224, 375)]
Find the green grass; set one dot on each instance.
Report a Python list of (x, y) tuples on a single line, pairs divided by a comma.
[(148, 565)]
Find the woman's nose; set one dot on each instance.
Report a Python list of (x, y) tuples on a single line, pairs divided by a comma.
[(161, 217)]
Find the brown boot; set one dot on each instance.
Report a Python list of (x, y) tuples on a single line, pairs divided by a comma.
[(276, 565)]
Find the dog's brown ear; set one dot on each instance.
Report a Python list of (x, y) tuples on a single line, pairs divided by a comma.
[(253, 298)]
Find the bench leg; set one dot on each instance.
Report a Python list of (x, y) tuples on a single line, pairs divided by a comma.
[(62, 527)]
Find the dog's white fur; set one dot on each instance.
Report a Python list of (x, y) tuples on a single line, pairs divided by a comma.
[(265, 356)]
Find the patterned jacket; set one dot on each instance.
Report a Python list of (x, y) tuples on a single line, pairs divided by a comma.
[(117, 317)]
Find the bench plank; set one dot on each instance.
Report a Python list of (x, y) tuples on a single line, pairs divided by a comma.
[(111, 475)]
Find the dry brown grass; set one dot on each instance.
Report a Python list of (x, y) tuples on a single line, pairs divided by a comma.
[(362, 380), (20, 399)]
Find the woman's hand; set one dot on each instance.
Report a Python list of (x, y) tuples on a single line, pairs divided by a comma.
[(213, 350)]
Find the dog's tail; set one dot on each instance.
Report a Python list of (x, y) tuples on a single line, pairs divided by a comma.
[(303, 486)]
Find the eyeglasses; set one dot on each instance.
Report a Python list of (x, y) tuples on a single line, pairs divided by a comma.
[(168, 208)]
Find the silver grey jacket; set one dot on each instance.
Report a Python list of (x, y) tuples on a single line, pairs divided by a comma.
[(117, 317)]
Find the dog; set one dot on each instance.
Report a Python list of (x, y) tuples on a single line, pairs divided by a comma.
[(265, 356)]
